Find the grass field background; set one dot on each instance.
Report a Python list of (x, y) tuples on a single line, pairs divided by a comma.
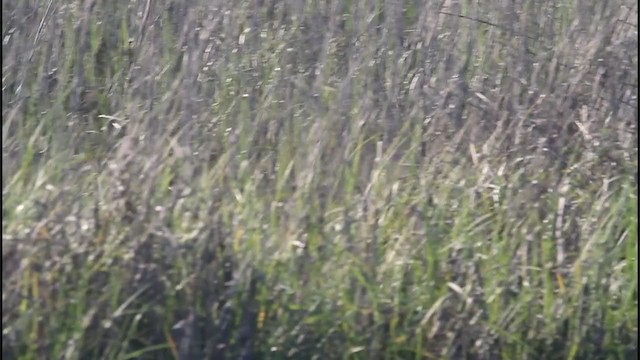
[(356, 179)]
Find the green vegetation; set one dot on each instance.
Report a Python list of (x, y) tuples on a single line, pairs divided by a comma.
[(282, 179)]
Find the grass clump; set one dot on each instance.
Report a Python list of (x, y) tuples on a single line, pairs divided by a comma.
[(286, 179)]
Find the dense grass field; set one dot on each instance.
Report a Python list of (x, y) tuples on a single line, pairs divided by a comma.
[(319, 179)]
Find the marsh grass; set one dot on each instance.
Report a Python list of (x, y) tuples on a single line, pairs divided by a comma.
[(315, 179)]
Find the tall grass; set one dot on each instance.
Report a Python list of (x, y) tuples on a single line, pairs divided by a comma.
[(319, 179)]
